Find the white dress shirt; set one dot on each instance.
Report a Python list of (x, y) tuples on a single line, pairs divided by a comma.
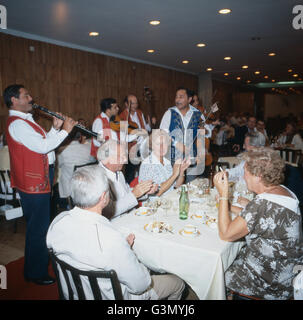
[(134, 117), (23, 133), (165, 122), (121, 197), (297, 142), (74, 154), (98, 128), (88, 241)]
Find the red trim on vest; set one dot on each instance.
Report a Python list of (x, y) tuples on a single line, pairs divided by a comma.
[(107, 133), (29, 169)]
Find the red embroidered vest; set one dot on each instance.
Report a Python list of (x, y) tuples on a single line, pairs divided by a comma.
[(29, 169), (106, 134)]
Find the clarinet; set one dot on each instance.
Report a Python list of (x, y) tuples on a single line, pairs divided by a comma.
[(79, 126)]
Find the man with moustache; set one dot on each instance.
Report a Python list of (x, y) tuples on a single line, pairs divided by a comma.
[(32, 160), (182, 123)]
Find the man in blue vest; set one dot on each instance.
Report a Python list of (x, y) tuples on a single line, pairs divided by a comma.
[(182, 123)]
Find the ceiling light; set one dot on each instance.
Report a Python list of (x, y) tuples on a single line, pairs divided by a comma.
[(295, 75), (273, 80), (248, 81), (224, 11), (238, 78), (300, 79), (244, 67), (154, 22), (185, 61), (227, 58), (200, 45), (265, 77), (226, 74), (150, 50), (289, 70), (209, 69), (93, 34), (257, 72), (272, 54)]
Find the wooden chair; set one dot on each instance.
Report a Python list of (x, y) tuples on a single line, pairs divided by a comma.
[(290, 155), (76, 282), (8, 195)]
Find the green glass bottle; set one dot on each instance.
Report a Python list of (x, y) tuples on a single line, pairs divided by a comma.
[(183, 204)]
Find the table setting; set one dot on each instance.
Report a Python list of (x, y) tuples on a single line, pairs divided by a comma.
[(163, 240)]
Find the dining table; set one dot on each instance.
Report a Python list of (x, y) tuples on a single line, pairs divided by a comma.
[(164, 245)]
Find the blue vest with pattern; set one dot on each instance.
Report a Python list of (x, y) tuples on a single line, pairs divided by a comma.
[(177, 133)]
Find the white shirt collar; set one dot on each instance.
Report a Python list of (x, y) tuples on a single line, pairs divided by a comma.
[(188, 113), (88, 215), (104, 115), (112, 175), (27, 116)]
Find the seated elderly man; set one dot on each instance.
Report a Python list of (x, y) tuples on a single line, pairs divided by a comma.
[(112, 156), (85, 239), (271, 225), (158, 168)]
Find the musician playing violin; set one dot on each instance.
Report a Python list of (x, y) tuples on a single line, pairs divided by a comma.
[(132, 114)]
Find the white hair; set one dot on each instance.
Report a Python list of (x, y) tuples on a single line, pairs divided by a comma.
[(107, 150), (87, 186)]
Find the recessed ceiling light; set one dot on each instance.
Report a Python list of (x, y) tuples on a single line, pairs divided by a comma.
[(226, 73), (289, 70), (227, 58), (209, 69), (300, 79), (265, 77), (150, 50), (248, 81), (244, 67), (272, 54), (200, 45), (154, 22), (273, 80), (238, 78), (93, 34), (185, 61), (295, 75), (257, 72), (224, 11)]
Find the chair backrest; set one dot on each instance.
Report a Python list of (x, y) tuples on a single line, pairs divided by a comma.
[(290, 155), (6, 192), (92, 276), (85, 164)]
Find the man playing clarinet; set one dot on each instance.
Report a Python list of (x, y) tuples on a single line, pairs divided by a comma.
[(32, 159)]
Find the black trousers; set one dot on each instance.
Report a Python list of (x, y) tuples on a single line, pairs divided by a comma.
[(36, 210)]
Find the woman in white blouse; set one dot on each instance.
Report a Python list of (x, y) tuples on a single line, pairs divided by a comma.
[(158, 168)]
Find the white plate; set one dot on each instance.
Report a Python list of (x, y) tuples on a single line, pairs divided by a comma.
[(189, 235), (198, 217)]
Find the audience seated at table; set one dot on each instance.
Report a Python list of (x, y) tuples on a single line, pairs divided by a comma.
[(112, 157), (157, 168), (85, 239), (271, 225), (286, 137)]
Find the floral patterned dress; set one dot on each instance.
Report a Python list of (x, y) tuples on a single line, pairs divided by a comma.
[(264, 267)]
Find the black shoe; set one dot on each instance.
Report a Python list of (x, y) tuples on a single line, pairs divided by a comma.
[(43, 281)]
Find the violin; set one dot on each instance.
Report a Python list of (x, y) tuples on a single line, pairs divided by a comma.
[(115, 124)]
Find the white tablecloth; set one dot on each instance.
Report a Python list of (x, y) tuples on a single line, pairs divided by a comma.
[(200, 261)]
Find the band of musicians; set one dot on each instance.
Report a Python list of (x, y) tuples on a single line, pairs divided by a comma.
[(78, 177)]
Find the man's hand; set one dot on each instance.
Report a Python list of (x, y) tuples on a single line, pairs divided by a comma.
[(57, 123), (69, 124), (130, 239), (141, 188)]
